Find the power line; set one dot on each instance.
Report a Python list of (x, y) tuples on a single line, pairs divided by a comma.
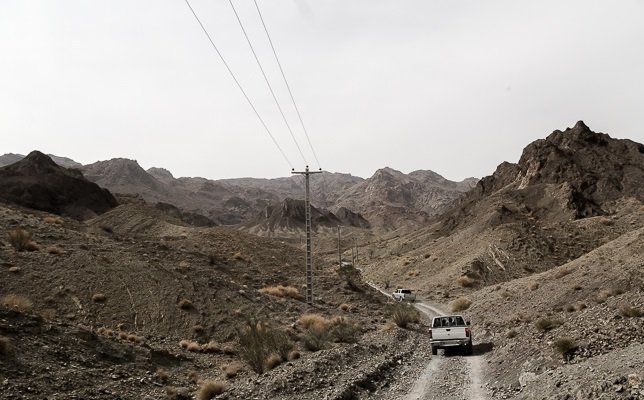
[(238, 84), (306, 133), (270, 88)]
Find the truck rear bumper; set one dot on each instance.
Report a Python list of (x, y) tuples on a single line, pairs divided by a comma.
[(450, 343)]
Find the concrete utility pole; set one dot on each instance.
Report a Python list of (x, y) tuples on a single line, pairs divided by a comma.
[(307, 213), (339, 252)]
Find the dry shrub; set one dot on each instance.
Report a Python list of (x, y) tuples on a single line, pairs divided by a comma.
[(546, 323), (20, 239), (5, 345), (193, 346), (133, 337), (565, 346), (404, 314), (316, 337), (281, 291), (626, 310), (511, 333), (184, 343), (231, 370), (293, 355), (54, 220), (123, 335), (571, 308), (345, 307), (48, 313), (239, 256), (460, 304), (258, 342), (229, 349), (162, 374), (306, 321), (580, 306), (17, 302), (273, 361), (15, 269), (534, 286), (343, 330), (209, 389), (603, 295), (197, 329), (54, 250), (99, 298), (185, 304), (388, 326), (606, 221), (211, 347), (193, 376), (465, 281)]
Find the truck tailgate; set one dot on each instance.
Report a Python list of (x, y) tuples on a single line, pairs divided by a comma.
[(455, 332)]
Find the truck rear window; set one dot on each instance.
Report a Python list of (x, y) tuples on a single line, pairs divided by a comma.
[(440, 322)]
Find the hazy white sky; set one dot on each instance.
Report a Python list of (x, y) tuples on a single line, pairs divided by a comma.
[(452, 86)]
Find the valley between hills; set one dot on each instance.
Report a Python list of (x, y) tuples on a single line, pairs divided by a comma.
[(122, 283)]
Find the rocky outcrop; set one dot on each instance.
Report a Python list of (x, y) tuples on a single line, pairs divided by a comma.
[(36, 181)]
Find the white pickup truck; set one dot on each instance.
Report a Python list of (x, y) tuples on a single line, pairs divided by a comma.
[(450, 331), (404, 295)]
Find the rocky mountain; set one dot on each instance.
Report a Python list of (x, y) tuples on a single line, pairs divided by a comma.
[(11, 158), (36, 181), (387, 200), (392, 199)]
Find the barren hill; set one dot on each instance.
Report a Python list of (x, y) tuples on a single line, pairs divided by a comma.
[(37, 182)]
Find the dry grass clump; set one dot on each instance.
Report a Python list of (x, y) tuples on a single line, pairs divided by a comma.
[(162, 374), (465, 281), (20, 239), (563, 272), (239, 256), (54, 250), (404, 314), (185, 304), (604, 294), (15, 269), (190, 345), (197, 329), (388, 326), (99, 298), (272, 361), (16, 302), (293, 355), (546, 323), (580, 306), (123, 335), (534, 286), (626, 310), (511, 333), (231, 370), (281, 291), (316, 337), (133, 337), (460, 304), (5, 345), (413, 273), (606, 221), (306, 321), (345, 307), (343, 330), (571, 308), (565, 346), (193, 376), (209, 389), (54, 220), (258, 342), (211, 347)]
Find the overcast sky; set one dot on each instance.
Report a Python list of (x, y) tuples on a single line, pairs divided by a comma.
[(452, 86)]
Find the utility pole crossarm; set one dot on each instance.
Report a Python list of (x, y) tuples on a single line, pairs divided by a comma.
[(307, 213)]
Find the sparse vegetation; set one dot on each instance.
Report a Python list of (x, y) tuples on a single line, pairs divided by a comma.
[(511, 333), (309, 320), (626, 310), (343, 330), (316, 337), (404, 314), (99, 298), (565, 346), (465, 281), (281, 291), (239, 256), (5, 345), (258, 342), (185, 304), (460, 304), (54, 250), (273, 361), (231, 370), (546, 324), (53, 219), (209, 389), (211, 347), (563, 272), (162, 374), (534, 286), (133, 337), (344, 307), (20, 239), (197, 329), (17, 302)]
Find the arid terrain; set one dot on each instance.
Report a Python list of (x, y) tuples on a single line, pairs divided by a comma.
[(124, 294)]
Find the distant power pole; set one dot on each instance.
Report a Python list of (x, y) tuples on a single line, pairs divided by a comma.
[(307, 213), (339, 251)]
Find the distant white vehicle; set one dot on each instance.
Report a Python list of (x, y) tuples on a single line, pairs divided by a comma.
[(404, 295), (450, 331)]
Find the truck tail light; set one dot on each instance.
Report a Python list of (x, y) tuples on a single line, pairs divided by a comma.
[(430, 333), (467, 332)]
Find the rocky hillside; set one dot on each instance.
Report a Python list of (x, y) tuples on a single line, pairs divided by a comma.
[(37, 182), (391, 199)]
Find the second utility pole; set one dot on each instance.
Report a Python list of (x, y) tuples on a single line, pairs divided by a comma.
[(307, 214)]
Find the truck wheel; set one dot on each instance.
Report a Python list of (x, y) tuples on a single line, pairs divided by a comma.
[(468, 349), (434, 351)]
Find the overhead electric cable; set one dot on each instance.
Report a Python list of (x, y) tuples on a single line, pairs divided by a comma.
[(238, 84), (270, 88), (306, 133)]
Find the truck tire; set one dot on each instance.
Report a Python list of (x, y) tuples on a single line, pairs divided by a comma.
[(434, 350), (468, 349)]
